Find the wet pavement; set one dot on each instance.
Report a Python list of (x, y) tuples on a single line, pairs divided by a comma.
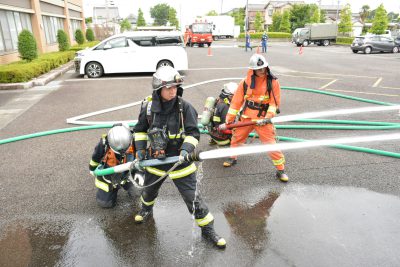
[(340, 208), (274, 228)]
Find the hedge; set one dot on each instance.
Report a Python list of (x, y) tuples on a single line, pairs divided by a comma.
[(23, 71), (344, 40), (258, 35)]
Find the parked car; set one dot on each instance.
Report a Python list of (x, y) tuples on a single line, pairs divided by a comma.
[(397, 41), (375, 43), (139, 51)]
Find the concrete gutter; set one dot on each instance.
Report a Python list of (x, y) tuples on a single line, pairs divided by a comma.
[(41, 80)]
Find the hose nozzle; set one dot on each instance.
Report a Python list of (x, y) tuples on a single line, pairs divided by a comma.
[(194, 156)]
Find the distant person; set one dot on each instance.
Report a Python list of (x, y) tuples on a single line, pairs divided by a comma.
[(264, 42), (248, 40)]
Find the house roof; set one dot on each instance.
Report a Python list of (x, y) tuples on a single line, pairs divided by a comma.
[(277, 4)]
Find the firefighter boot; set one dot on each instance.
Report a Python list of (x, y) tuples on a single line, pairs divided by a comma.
[(143, 214), (212, 142), (281, 175), (230, 162), (209, 234)]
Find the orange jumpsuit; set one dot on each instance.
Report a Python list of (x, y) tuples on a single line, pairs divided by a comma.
[(259, 95)]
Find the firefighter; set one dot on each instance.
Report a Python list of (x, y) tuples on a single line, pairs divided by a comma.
[(169, 123), (113, 149), (258, 97), (219, 115)]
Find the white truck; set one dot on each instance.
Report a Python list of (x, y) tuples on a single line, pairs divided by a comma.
[(317, 33), (223, 26)]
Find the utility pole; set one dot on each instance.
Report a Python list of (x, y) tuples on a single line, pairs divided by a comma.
[(246, 23), (337, 10)]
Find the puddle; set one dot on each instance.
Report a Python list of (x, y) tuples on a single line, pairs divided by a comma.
[(294, 225)]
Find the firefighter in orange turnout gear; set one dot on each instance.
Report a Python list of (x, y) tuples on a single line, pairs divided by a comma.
[(114, 148), (259, 94)]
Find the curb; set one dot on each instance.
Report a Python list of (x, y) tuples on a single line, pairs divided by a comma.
[(41, 80)]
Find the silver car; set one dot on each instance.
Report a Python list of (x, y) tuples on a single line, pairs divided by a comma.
[(375, 43)]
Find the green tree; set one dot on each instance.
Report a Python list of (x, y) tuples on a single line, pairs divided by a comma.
[(212, 13), (239, 16), (88, 20), (89, 35), (140, 19), (316, 16), (160, 14), (345, 25), (300, 14), (125, 25), (27, 46), (259, 22), (62, 39), (80, 39), (380, 22), (322, 18), (285, 22), (364, 12), (173, 21), (276, 22)]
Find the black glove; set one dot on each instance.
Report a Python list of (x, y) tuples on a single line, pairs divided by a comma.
[(263, 122)]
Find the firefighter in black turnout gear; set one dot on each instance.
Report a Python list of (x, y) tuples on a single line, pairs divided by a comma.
[(169, 123), (114, 148)]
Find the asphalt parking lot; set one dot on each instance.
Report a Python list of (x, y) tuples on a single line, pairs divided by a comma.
[(340, 207)]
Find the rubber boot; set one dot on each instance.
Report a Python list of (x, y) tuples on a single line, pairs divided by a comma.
[(143, 214), (230, 162), (209, 234), (281, 175)]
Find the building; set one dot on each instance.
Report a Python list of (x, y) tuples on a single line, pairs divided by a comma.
[(332, 12), (253, 9), (276, 6), (41, 17), (105, 14)]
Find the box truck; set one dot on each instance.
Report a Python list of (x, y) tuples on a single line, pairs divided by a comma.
[(317, 33), (223, 26)]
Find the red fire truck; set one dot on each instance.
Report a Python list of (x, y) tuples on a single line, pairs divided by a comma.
[(199, 32)]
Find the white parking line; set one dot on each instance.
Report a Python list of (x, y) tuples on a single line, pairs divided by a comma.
[(377, 82), (326, 85), (336, 74), (307, 77), (388, 87)]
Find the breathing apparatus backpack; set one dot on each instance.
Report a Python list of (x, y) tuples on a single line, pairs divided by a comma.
[(158, 136)]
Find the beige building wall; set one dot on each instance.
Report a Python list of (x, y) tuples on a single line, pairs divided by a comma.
[(66, 10)]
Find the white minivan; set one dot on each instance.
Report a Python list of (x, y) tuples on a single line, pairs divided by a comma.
[(138, 51)]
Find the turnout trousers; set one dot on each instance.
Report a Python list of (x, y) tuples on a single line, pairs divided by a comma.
[(187, 189), (266, 134)]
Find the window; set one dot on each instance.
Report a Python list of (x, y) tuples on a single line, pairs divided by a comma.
[(144, 41), (11, 24), (75, 24), (51, 25)]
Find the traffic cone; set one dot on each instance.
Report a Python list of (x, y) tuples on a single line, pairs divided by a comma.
[(301, 50), (258, 49), (209, 52)]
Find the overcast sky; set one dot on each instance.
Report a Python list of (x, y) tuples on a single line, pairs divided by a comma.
[(189, 9)]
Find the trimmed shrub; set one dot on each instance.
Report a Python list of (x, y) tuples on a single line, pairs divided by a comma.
[(27, 47), (62, 39), (23, 71), (89, 35), (344, 40), (84, 46), (80, 39), (258, 35)]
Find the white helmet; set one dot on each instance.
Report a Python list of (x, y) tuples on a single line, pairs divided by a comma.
[(257, 62), (166, 76), (119, 138), (229, 89)]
